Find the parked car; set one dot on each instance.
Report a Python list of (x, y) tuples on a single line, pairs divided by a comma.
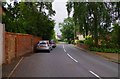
[(53, 43), (43, 45)]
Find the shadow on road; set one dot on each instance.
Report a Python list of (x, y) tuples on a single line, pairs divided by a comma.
[(42, 51)]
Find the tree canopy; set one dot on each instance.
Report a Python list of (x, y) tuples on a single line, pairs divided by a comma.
[(67, 28), (94, 18), (30, 17)]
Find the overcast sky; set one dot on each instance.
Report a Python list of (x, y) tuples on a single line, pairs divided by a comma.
[(61, 13)]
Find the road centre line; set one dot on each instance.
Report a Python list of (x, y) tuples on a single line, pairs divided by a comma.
[(64, 48), (72, 57), (95, 74), (77, 62), (69, 54), (15, 68)]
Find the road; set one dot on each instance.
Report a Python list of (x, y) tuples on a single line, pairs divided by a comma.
[(66, 61)]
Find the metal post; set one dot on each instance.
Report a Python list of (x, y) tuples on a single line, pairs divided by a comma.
[(1, 47)]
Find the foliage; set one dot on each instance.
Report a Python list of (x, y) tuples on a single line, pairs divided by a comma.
[(67, 29), (116, 35), (94, 18), (112, 40), (31, 18), (80, 41), (72, 41), (107, 50), (89, 41)]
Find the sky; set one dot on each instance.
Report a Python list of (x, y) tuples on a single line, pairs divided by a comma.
[(61, 13)]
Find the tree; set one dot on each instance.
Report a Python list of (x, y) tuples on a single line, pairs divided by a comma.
[(67, 28), (93, 18), (116, 35), (31, 18)]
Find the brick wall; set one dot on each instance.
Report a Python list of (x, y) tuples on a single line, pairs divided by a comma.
[(23, 44), (17, 45), (36, 39), (9, 46)]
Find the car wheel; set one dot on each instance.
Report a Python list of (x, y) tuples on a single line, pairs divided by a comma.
[(51, 48), (35, 50), (49, 51), (54, 46)]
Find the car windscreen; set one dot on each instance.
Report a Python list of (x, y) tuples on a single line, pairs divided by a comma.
[(42, 43)]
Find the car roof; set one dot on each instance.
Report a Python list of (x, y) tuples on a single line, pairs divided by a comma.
[(44, 41)]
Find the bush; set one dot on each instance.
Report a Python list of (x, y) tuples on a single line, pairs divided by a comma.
[(108, 50), (116, 34), (103, 43), (108, 44), (80, 41), (89, 41), (72, 42)]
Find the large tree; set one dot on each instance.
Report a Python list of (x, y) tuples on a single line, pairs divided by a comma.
[(67, 28), (30, 17), (94, 18)]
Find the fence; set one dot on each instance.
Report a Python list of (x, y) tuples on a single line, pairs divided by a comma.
[(17, 45)]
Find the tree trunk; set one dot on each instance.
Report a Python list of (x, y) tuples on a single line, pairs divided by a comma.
[(95, 27)]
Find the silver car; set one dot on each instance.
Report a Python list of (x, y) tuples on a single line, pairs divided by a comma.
[(43, 45)]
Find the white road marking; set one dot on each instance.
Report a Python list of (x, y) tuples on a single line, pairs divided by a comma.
[(72, 57), (95, 74), (14, 68), (64, 48)]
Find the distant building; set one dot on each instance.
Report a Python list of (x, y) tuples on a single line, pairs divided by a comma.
[(80, 36)]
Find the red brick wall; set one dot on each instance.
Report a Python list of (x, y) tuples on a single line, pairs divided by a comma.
[(23, 44), (17, 45), (36, 39), (9, 47)]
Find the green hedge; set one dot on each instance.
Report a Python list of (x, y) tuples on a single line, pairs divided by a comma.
[(80, 41), (89, 41), (108, 50)]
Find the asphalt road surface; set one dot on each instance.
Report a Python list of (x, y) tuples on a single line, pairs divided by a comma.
[(66, 61)]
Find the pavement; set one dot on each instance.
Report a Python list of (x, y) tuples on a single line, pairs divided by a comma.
[(8, 68), (63, 61)]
